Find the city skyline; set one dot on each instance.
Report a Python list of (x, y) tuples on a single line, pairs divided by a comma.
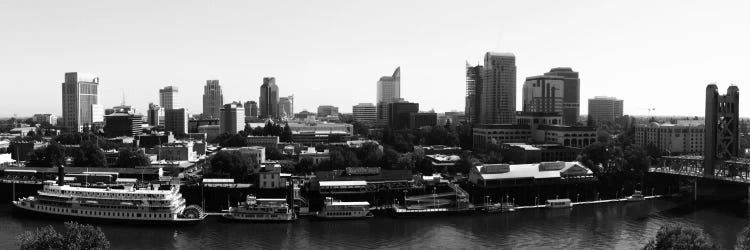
[(611, 54)]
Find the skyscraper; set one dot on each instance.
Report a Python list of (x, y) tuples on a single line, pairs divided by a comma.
[(400, 114), (543, 94), (286, 106), (168, 97), (79, 93), (498, 99), (473, 93), (571, 109), (176, 121), (605, 109), (154, 112), (251, 109), (721, 139), (364, 112), (389, 91), (232, 118), (269, 98), (213, 99)]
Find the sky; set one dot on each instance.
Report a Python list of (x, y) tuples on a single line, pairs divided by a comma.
[(652, 54)]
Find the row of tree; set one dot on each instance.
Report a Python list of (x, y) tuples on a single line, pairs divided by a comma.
[(86, 150)]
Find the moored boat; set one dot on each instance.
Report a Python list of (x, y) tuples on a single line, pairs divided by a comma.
[(559, 203), (344, 210), (637, 196), (261, 210)]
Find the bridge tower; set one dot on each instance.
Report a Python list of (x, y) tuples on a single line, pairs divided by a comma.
[(721, 140)]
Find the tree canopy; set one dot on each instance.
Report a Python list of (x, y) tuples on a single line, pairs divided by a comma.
[(233, 164), (76, 236), (673, 236), (131, 157)]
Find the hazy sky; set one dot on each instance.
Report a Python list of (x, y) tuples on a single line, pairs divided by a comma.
[(658, 54)]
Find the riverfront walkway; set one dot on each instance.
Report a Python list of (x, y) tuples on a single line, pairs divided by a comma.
[(590, 202)]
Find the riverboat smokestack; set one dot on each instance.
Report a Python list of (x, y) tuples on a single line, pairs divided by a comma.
[(61, 175)]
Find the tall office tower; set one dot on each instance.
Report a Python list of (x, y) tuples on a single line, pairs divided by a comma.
[(605, 109), (571, 94), (721, 141), (543, 94), (389, 91), (232, 118), (176, 121), (286, 108), (327, 110), (154, 112), (498, 99), (269, 98), (365, 112), (80, 96), (168, 97), (213, 99), (400, 114), (251, 109), (473, 93)]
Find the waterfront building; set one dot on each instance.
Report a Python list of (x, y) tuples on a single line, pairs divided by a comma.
[(375, 179), (176, 121), (571, 94), (176, 151), (168, 97), (122, 124), (681, 138), (388, 91), (399, 114), (605, 109), (523, 153), (524, 175), (251, 110), (232, 118), (48, 118), (269, 98), (327, 110), (498, 97), (271, 177), (80, 94), (473, 93), (316, 157), (721, 127), (576, 137), (365, 112), (155, 112), (543, 94), (213, 99), (269, 141)]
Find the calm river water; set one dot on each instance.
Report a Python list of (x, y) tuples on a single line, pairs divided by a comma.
[(600, 226)]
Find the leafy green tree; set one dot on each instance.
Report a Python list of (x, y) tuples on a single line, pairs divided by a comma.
[(131, 157), (76, 236), (370, 154), (233, 164), (673, 236), (273, 153), (233, 140), (286, 134), (389, 159), (405, 161), (743, 239), (304, 166), (89, 155)]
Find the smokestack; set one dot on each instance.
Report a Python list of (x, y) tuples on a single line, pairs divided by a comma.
[(61, 175)]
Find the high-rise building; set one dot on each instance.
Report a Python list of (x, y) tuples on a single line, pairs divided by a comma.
[(498, 98), (327, 110), (543, 94), (400, 114), (251, 109), (721, 128), (473, 93), (48, 118), (269, 98), (122, 124), (213, 99), (605, 109), (154, 114), (571, 94), (168, 97), (364, 112), (232, 118), (176, 121), (389, 91), (80, 93), (286, 106)]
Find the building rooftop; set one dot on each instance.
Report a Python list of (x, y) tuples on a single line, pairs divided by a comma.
[(530, 171)]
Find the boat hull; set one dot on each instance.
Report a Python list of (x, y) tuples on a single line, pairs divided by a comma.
[(231, 218), (30, 213)]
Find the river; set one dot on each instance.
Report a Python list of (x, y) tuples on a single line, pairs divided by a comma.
[(595, 226)]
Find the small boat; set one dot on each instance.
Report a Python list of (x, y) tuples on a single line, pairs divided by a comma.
[(499, 208), (261, 210), (344, 210), (637, 196), (559, 203)]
